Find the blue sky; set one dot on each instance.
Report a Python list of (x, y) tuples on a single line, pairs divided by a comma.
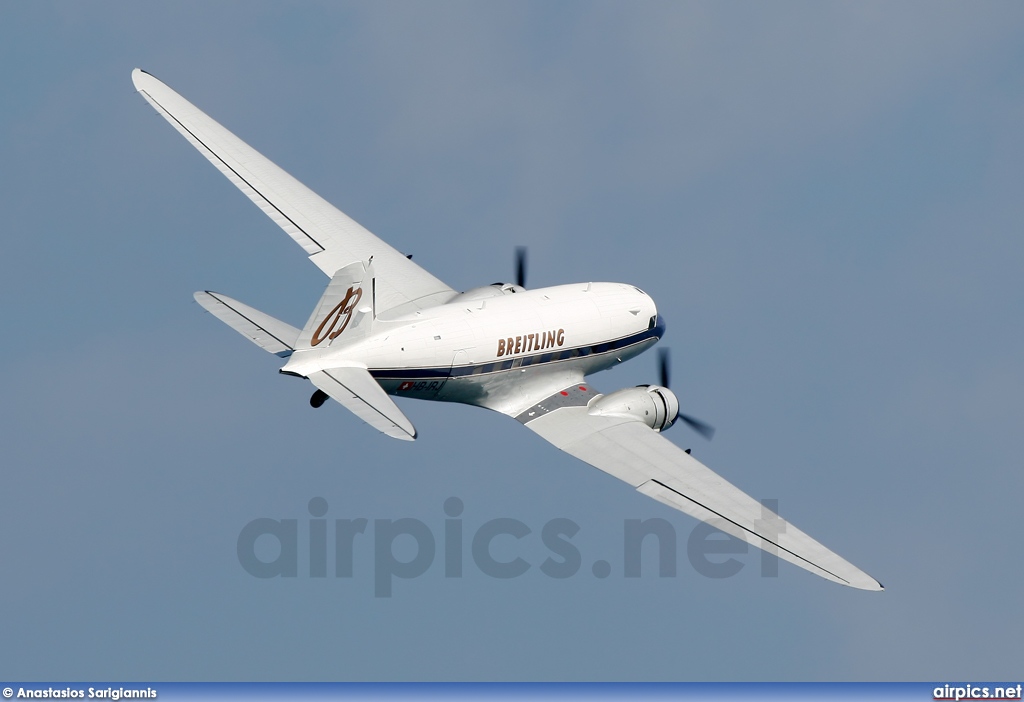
[(823, 198)]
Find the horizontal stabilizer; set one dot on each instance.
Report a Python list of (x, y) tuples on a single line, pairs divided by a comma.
[(355, 388), (268, 333)]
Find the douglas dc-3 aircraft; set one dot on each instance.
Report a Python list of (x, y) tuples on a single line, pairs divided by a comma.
[(384, 326)]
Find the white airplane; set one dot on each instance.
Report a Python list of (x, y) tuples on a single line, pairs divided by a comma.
[(384, 326)]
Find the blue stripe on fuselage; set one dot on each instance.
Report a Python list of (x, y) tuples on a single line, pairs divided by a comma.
[(655, 332)]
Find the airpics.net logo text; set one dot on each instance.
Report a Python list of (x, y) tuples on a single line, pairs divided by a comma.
[(977, 692), (273, 548)]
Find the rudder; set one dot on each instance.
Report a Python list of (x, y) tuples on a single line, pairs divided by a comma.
[(345, 311)]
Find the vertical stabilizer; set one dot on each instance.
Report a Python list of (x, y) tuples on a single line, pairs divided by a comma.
[(345, 312)]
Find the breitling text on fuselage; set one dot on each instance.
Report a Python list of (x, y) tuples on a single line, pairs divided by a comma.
[(537, 341)]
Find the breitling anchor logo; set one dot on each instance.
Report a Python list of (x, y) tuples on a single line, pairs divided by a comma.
[(338, 318)]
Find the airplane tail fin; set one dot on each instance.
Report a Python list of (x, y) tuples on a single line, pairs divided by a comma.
[(346, 310), (268, 333), (345, 314)]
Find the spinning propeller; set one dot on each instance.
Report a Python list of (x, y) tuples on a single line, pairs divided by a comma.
[(521, 266), (702, 428)]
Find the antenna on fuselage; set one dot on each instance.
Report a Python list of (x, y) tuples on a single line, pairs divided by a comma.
[(373, 287)]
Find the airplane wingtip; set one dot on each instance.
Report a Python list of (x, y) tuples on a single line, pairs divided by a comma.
[(871, 585), (140, 76), (862, 581)]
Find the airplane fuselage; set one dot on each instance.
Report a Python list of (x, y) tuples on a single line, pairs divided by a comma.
[(497, 346)]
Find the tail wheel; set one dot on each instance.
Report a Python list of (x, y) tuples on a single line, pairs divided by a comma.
[(319, 397)]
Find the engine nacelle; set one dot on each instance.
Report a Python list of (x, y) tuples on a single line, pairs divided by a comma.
[(653, 405)]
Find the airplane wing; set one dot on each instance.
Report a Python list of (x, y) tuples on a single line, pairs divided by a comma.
[(330, 237), (631, 451)]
